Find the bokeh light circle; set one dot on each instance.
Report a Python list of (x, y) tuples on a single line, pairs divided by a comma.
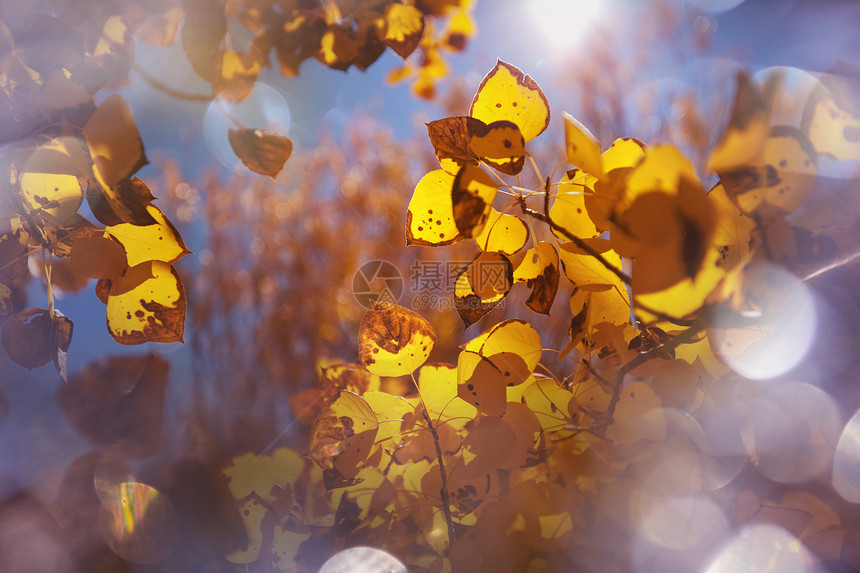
[(264, 108), (846, 461), (762, 548), (363, 560), (138, 523), (782, 325)]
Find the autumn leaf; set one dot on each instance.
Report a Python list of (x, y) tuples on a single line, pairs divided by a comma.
[(481, 285), (394, 341), (472, 198), (202, 32), (147, 304), (261, 151), (539, 270), (506, 94), (343, 435), (404, 26), (430, 215), (34, 337)]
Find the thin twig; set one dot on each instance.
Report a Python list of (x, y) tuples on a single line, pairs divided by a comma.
[(163, 87)]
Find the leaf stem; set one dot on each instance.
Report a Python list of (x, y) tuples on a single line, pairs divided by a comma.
[(446, 498), (163, 87)]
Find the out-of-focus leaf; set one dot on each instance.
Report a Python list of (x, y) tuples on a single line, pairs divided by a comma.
[(118, 400), (160, 29), (202, 32), (343, 436), (831, 119), (5, 303), (778, 180), (56, 197), (430, 215), (748, 126), (261, 151), (33, 337), (404, 26), (481, 285), (115, 147), (98, 257), (239, 73), (506, 94), (147, 304), (394, 341)]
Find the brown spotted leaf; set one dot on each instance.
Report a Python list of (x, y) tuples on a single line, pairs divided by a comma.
[(115, 147), (539, 270), (394, 341), (147, 304), (261, 151), (481, 285), (343, 436), (472, 198), (450, 138)]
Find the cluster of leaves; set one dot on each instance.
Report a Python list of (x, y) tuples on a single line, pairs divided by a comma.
[(81, 156), (497, 447), (60, 148)]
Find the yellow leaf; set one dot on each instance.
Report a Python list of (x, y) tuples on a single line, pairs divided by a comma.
[(158, 242), (569, 209), (661, 169), (832, 126), (472, 198), (481, 285), (550, 402), (778, 180), (404, 26), (437, 384), (506, 94), (499, 144), (583, 149), (430, 215), (513, 346), (285, 548), (252, 512), (343, 435), (584, 270), (503, 233), (147, 304), (56, 197), (394, 341), (539, 270)]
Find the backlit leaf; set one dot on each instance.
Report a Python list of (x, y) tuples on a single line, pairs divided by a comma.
[(831, 119), (513, 346), (584, 270), (778, 180), (343, 435), (261, 151), (748, 126), (583, 149), (202, 32), (147, 304), (503, 233), (404, 26), (481, 285), (569, 209), (114, 145), (480, 383), (239, 73), (499, 144), (156, 242), (394, 341), (550, 402), (437, 384), (472, 198), (506, 94), (56, 197), (451, 138), (430, 215), (539, 270)]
